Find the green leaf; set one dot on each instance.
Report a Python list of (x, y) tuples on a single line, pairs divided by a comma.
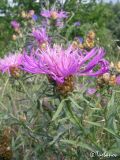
[(56, 138), (94, 123), (111, 132), (78, 144), (89, 103), (56, 114), (106, 129), (69, 116), (72, 100)]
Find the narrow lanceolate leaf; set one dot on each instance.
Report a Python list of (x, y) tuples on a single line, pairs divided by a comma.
[(111, 102), (78, 144), (89, 103), (59, 109), (94, 123), (69, 116), (106, 129), (112, 132), (56, 138), (73, 101)]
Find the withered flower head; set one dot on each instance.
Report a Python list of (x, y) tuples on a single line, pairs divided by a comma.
[(5, 149)]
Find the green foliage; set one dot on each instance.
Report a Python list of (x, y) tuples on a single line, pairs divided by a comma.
[(44, 124), (71, 128), (114, 23), (102, 18)]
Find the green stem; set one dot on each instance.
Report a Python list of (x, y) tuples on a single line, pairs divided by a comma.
[(4, 87), (68, 103)]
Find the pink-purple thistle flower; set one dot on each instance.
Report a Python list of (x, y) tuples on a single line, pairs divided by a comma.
[(31, 13), (53, 14), (10, 63), (118, 80), (15, 24), (59, 24), (77, 24), (40, 35), (59, 63)]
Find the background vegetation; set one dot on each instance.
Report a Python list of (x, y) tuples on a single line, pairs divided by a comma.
[(43, 126)]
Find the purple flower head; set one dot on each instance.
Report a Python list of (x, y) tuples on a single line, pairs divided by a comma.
[(98, 95), (118, 80), (35, 17), (62, 14), (40, 35), (15, 24), (91, 91), (60, 63), (54, 14), (12, 60), (30, 47), (59, 24), (77, 24), (31, 13), (79, 39)]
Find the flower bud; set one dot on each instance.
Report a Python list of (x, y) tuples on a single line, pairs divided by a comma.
[(75, 44), (14, 37), (15, 72), (23, 14), (31, 13), (112, 80), (91, 35), (117, 66), (22, 118), (106, 77), (54, 15), (67, 86), (112, 65)]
